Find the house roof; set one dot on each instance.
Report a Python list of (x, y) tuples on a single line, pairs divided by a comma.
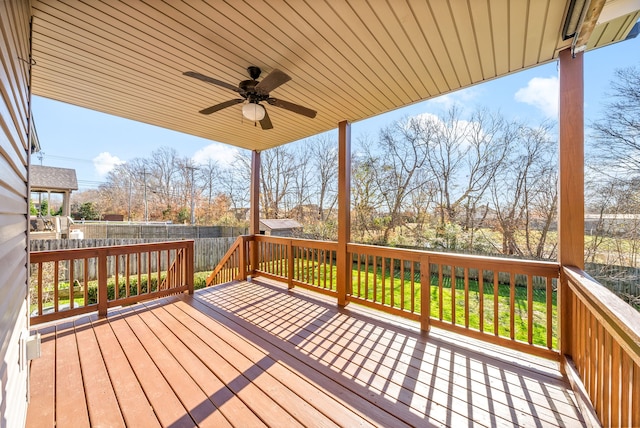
[(279, 224), (348, 59), (52, 178)]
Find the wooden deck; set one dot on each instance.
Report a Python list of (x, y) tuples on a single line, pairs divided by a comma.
[(252, 354)]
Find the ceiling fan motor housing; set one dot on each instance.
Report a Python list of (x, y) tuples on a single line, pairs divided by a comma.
[(248, 91)]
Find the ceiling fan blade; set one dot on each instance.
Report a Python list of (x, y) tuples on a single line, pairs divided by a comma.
[(272, 81), (293, 107), (221, 106), (265, 123), (211, 80)]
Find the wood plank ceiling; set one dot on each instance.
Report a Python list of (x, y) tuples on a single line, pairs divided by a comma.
[(349, 60)]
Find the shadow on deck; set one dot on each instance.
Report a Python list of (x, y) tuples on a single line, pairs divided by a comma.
[(254, 354)]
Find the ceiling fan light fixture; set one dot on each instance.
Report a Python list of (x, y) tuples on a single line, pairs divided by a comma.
[(253, 112)]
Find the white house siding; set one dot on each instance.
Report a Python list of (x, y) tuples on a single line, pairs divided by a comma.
[(14, 98)]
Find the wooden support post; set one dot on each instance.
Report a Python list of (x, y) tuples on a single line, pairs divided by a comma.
[(571, 183), (102, 284), (254, 207), (343, 264), (425, 294)]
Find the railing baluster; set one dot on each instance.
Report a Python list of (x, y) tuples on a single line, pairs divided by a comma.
[(496, 293), (530, 309), (56, 295), (635, 414), (117, 276), (319, 252), (382, 279), (549, 312), (606, 377), (71, 281), (86, 281), (440, 293), (481, 299), (512, 304), (466, 297), (402, 297), (149, 272), (452, 277), (615, 384), (366, 277), (413, 285), (375, 274), (139, 266), (40, 288)]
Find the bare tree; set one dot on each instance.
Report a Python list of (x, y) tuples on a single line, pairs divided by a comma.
[(523, 180), (616, 135), (278, 168), (324, 152), (366, 199), (446, 157), (208, 174), (404, 146)]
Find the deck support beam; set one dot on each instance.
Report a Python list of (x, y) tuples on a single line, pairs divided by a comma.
[(343, 264), (254, 208), (571, 182)]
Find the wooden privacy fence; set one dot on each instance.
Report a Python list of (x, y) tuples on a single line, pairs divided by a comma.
[(207, 251), (165, 231), (504, 301), (61, 285)]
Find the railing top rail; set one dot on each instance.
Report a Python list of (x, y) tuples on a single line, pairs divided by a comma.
[(463, 260), (78, 253), (617, 317), (300, 242)]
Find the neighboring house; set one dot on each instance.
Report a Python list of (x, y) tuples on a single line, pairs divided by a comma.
[(280, 227), (48, 179)]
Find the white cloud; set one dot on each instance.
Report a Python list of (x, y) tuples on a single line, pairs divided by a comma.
[(222, 154), (541, 93), (105, 162)]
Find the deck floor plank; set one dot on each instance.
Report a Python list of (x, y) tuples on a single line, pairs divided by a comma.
[(166, 405), (267, 408), (369, 372), (222, 397), (134, 405), (335, 386), (253, 354), (304, 390), (197, 403), (71, 404), (298, 408), (102, 403)]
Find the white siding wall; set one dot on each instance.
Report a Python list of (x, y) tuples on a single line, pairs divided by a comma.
[(14, 96)]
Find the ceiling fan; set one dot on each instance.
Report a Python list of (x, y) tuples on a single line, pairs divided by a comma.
[(254, 93)]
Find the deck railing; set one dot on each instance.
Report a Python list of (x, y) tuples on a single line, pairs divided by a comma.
[(233, 265), (603, 339), (505, 301), (66, 283), (299, 262)]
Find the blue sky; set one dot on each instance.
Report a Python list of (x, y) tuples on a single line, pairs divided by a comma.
[(92, 142)]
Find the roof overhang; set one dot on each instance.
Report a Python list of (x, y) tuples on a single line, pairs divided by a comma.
[(349, 60)]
